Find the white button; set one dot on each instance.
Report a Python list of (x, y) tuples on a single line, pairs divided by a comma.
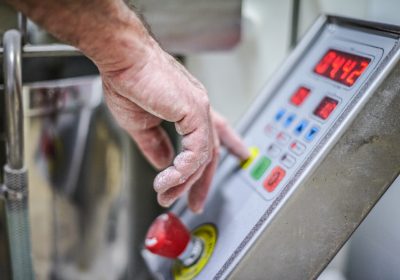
[(270, 130), (283, 138), (288, 161), (297, 148), (273, 150)]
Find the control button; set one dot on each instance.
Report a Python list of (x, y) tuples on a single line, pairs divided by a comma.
[(270, 130), (288, 161), (273, 150), (254, 151), (299, 96), (283, 138), (297, 148), (311, 133), (167, 236), (261, 166), (274, 178), (301, 127), (280, 114), (289, 120)]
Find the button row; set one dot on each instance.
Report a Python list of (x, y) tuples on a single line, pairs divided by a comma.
[(283, 138), (287, 160), (289, 118), (262, 165)]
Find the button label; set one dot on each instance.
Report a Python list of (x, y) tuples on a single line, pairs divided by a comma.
[(274, 178), (259, 169)]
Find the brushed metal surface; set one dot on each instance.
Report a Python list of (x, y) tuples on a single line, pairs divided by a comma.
[(187, 26), (325, 210)]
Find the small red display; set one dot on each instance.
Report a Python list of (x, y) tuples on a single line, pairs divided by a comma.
[(342, 67), (325, 108), (299, 96)]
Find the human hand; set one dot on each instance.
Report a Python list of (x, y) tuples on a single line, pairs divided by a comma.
[(143, 86), (140, 97)]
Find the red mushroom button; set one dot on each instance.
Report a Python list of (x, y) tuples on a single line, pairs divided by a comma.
[(167, 236)]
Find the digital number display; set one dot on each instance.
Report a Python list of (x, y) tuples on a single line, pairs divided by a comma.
[(299, 96), (342, 67), (325, 108)]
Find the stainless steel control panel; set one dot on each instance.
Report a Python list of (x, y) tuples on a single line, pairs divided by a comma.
[(291, 127)]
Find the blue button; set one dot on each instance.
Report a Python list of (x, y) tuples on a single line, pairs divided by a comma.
[(300, 127), (311, 133), (280, 114), (289, 120)]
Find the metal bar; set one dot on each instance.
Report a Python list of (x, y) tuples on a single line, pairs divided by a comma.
[(22, 27), (58, 50), (13, 93), (15, 173)]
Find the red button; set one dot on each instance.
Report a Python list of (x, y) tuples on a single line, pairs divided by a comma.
[(274, 178), (167, 236)]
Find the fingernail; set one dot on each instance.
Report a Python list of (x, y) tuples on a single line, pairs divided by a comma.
[(244, 154), (167, 203), (197, 208)]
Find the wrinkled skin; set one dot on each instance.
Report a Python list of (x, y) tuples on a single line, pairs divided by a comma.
[(143, 86), (163, 90)]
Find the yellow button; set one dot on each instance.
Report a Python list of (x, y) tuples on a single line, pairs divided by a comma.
[(253, 154)]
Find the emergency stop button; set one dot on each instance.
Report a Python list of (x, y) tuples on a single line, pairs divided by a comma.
[(167, 236), (274, 178)]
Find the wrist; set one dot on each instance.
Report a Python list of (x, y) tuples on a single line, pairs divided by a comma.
[(121, 44)]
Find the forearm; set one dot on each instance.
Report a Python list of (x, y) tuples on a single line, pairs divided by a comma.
[(93, 26)]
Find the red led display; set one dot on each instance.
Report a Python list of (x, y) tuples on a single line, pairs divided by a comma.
[(325, 108), (342, 67), (299, 96)]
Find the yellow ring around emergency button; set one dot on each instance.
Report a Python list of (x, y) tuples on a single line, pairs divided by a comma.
[(208, 234), (254, 151)]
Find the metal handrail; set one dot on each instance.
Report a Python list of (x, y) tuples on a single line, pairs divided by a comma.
[(49, 50), (13, 94)]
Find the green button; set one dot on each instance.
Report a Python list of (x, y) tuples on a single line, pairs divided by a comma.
[(261, 166)]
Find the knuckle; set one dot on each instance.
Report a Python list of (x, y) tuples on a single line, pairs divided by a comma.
[(204, 101), (216, 153), (222, 123)]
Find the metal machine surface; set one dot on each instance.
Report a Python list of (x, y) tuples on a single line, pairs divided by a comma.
[(324, 141)]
